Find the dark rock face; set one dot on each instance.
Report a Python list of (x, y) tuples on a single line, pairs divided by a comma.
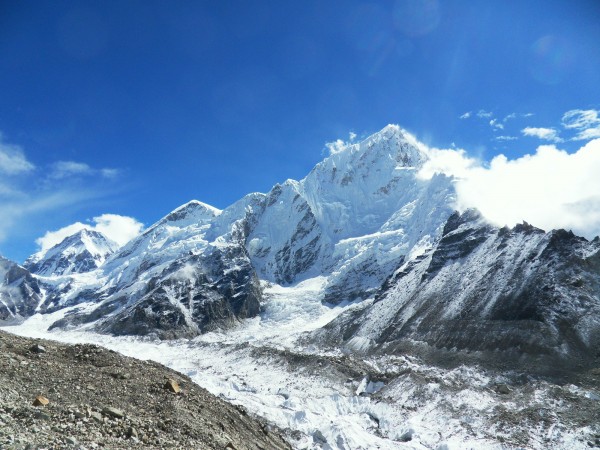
[(193, 294), (361, 281), (519, 295), (20, 292), (212, 297)]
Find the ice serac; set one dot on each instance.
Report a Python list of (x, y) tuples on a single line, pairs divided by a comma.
[(179, 278), (498, 295), (81, 252)]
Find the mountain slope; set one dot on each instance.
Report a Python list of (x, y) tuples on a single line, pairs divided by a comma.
[(507, 294), (98, 397), (172, 282)]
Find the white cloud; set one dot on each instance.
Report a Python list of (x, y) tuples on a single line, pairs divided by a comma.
[(352, 136), (585, 121), (494, 123), (484, 114), (466, 115), (336, 146), (547, 134), (12, 159), (64, 169), (512, 116), (110, 173), (580, 118), (586, 135), (449, 161), (67, 169), (549, 189), (120, 229), (506, 138)]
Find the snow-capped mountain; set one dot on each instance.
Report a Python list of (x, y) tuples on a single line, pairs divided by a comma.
[(355, 217), (502, 296), (81, 252), (364, 221)]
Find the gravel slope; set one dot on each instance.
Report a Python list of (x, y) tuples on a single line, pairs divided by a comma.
[(101, 399)]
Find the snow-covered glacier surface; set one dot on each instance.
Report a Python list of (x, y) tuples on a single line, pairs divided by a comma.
[(329, 400)]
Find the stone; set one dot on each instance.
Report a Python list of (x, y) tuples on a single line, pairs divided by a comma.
[(503, 389), (121, 376), (132, 433), (40, 400), (113, 412), (71, 440), (37, 348), (172, 386), (42, 416)]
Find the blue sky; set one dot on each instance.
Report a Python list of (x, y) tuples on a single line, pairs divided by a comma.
[(136, 107)]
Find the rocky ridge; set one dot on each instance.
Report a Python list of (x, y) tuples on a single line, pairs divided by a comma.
[(517, 297)]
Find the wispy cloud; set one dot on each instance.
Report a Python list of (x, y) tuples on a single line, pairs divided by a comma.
[(547, 134), (513, 116), (66, 169), (483, 114), (494, 123), (466, 115), (585, 121), (12, 159), (506, 138), (28, 192)]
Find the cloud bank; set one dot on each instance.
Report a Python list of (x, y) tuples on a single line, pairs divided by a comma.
[(549, 189), (120, 229)]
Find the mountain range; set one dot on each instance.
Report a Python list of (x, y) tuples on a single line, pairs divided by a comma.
[(423, 277)]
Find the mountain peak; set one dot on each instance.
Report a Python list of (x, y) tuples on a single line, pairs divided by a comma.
[(192, 210), (80, 252)]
